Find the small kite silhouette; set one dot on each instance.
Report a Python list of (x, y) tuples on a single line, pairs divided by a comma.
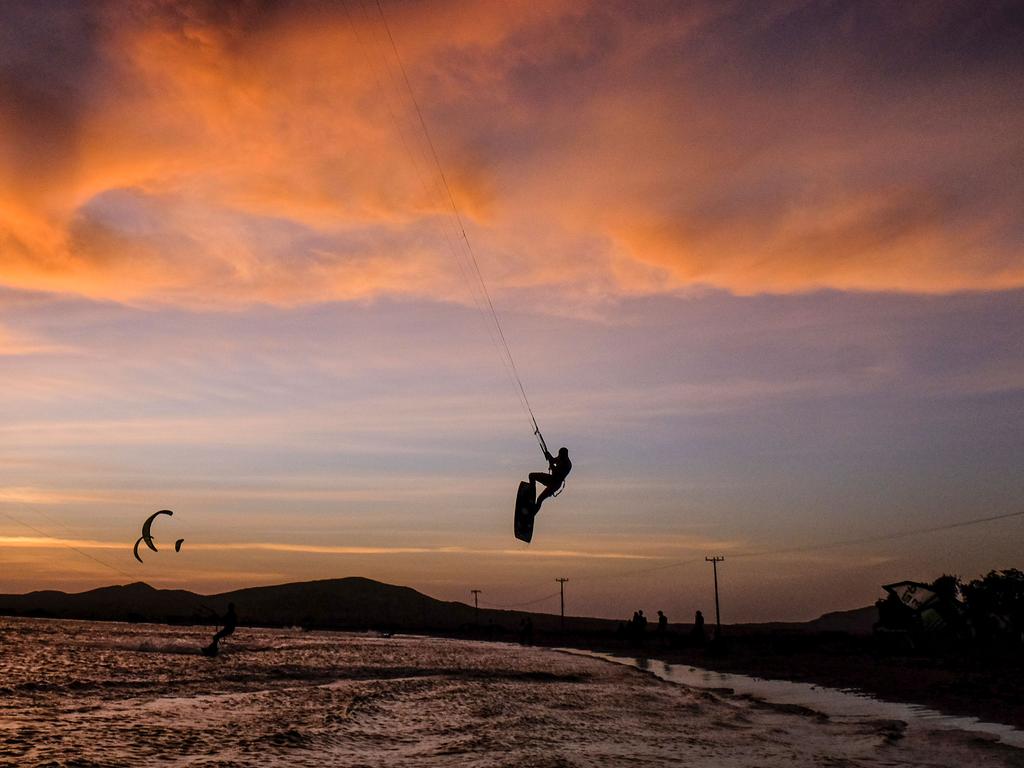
[(147, 535)]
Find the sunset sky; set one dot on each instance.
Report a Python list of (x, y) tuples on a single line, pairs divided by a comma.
[(760, 266)]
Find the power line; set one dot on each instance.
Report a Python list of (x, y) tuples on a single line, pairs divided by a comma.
[(881, 537), (652, 569), (826, 545), (766, 553), (524, 604)]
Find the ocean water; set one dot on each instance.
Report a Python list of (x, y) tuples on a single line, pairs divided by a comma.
[(101, 694)]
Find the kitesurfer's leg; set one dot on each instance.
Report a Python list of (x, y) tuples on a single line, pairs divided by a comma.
[(547, 481), (539, 477), (222, 634), (547, 494)]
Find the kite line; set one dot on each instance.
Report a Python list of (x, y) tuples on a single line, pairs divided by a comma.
[(63, 543), (504, 349)]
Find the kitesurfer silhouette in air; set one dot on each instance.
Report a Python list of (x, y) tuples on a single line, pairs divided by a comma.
[(559, 467), (527, 502), (230, 621)]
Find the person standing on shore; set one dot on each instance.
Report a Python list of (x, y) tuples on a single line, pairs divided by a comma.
[(698, 628), (641, 627)]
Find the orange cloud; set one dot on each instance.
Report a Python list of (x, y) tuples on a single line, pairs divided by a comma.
[(212, 155)]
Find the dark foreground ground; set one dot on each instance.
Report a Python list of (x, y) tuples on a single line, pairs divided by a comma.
[(987, 686)]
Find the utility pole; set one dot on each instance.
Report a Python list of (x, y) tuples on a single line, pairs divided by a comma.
[(476, 605), (718, 618), (561, 590)]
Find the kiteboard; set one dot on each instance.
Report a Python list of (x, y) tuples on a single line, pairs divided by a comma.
[(209, 650), (525, 505)]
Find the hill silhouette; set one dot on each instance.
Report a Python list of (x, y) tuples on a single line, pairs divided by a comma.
[(347, 603), (857, 621)]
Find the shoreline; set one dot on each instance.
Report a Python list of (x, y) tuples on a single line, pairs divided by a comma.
[(986, 690)]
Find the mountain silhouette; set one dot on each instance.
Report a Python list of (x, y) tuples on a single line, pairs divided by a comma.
[(354, 603), (347, 603)]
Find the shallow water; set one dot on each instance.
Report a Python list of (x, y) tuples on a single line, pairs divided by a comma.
[(101, 694), (836, 703)]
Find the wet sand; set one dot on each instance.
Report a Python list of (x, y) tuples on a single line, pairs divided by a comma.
[(988, 688)]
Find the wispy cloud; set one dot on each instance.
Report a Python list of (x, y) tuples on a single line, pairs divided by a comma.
[(48, 542), (201, 158), (49, 496), (16, 345)]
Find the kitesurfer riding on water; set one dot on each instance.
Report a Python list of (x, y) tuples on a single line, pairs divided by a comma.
[(560, 467), (230, 621)]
